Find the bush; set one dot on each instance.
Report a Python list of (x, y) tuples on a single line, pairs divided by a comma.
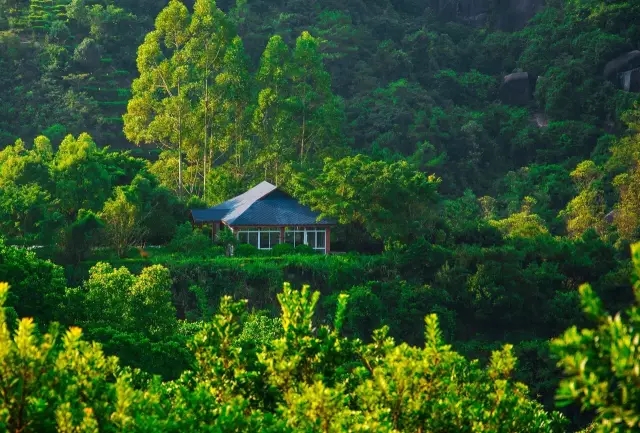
[(282, 250), (189, 240), (37, 286), (245, 378), (245, 250), (304, 249)]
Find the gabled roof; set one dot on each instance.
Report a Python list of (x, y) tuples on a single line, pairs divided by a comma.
[(262, 205)]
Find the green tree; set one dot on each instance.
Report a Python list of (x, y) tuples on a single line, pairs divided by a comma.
[(82, 235), (26, 202), (318, 115), (81, 180), (211, 34), (627, 210), (160, 211), (38, 285), (182, 58), (162, 117), (393, 201), (123, 223), (271, 119), (21, 166), (150, 303), (299, 379), (587, 209), (236, 87), (117, 299), (523, 223), (59, 383)]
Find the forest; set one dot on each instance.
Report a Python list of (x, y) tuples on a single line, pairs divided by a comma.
[(482, 159)]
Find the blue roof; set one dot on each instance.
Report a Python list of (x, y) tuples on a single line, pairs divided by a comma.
[(262, 205), (200, 215)]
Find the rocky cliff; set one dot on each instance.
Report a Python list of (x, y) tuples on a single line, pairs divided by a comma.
[(507, 15)]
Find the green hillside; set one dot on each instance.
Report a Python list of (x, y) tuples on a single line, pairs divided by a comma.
[(482, 158)]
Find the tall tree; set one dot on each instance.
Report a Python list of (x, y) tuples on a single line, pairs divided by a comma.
[(160, 109), (587, 209), (123, 221), (627, 211), (236, 87), (81, 179), (175, 100), (211, 33), (271, 121), (317, 112)]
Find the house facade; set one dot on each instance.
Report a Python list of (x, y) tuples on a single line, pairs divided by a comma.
[(265, 216)]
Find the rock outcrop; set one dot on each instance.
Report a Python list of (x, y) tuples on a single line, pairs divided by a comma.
[(624, 71), (514, 14), (516, 89), (507, 15)]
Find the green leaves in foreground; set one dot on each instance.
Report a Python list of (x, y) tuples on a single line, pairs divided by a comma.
[(603, 364), (307, 378)]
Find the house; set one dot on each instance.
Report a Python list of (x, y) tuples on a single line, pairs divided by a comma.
[(265, 216), (610, 217)]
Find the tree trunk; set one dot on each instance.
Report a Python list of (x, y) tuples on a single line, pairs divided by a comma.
[(179, 144), (206, 108)]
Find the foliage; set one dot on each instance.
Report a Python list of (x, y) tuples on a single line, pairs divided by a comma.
[(80, 179), (522, 224), (391, 386), (304, 249), (83, 234), (376, 194), (160, 210), (38, 285), (47, 388), (601, 364), (282, 250), (122, 219), (190, 240), (228, 240), (118, 299), (587, 209), (203, 108), (259, 329), (526, 202)]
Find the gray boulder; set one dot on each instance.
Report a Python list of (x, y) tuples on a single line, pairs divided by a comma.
[(625, 62), (516, 89), (630, 80), (624, 71)]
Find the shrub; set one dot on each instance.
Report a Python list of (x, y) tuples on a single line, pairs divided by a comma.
[(304, 249), (245, 250), (282, 250), (189, 240)]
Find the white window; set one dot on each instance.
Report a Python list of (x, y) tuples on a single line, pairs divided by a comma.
[(263, 238), (312, 236)]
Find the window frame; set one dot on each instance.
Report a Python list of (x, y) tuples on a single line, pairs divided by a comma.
[(317, 232), (258, 231)]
